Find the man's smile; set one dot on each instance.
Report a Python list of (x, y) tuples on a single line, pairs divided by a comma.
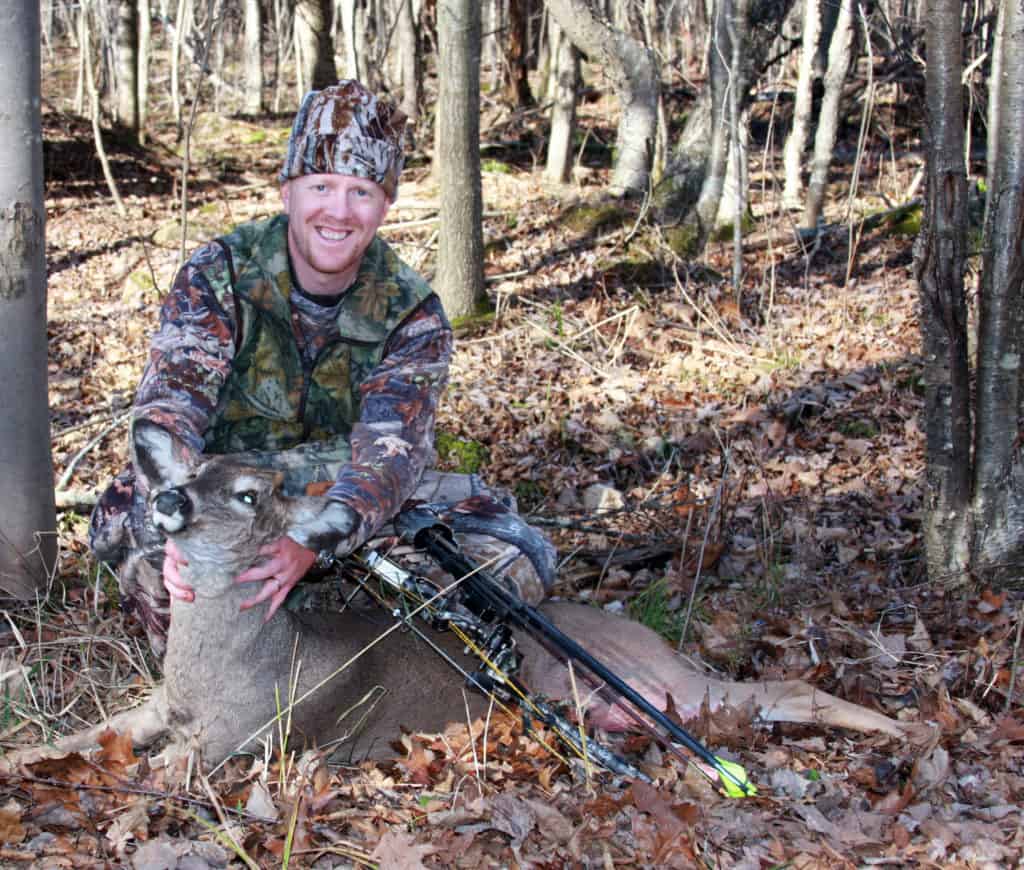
[(334, 235)]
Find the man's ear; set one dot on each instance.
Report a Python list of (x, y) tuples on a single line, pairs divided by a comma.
[(158, 457)]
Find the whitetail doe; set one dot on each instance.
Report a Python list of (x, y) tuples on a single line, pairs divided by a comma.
[(227, 671)]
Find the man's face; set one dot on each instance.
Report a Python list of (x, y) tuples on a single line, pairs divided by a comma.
[(331, 221)]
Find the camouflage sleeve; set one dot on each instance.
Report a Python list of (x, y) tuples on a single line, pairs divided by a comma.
[(394, 438), (191, 353)]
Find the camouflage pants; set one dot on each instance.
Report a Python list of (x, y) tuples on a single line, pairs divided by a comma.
[(484, 520)]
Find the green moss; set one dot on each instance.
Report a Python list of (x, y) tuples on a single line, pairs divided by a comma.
[(908, 224), (461, 455), (588, 219), (254, 137), (858, 429), (482, 316), (683, 240), (496, 166), (723, 233)]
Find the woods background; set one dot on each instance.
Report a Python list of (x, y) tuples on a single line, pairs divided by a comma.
[(737, 290)]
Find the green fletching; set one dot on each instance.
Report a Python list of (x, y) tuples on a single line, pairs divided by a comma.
[(734, 779)]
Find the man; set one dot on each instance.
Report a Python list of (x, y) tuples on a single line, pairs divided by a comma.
[(304, 343)]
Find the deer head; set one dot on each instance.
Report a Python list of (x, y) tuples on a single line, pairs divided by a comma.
[(219, 512)]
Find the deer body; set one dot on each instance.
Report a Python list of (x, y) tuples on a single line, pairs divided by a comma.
[(226, 671)]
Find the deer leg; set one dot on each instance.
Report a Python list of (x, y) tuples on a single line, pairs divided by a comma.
[(146, 723), (643, 659)]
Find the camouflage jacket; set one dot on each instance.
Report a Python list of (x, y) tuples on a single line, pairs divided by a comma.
[(232, 370)]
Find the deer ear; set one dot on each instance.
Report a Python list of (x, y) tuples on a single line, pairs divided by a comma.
[(160, 458)]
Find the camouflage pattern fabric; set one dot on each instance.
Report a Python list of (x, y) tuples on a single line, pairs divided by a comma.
[(345, 129)]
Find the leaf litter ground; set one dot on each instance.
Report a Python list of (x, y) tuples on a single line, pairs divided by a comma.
[(743, 474)]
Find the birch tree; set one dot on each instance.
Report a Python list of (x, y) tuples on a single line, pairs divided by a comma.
[(27, 513)]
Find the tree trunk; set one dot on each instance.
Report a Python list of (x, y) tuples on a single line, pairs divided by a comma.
[(796, 142), (181, 24), (633, 70), (995, 76), (517, 82), (998, 472), (678, 191), (563, 109), (27, 515), (720, 79), (411, 60), (145, 47), (252, 50), (281, 42), (839, 56), (941, 259), (315, 48), (126, 42), (83, 24), (353, 57), (460, 257), (495, 55)]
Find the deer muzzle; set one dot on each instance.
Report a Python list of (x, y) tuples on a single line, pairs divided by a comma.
[(171, 510)]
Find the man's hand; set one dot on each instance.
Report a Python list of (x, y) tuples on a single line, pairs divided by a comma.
[(287, 563), (175, 586)]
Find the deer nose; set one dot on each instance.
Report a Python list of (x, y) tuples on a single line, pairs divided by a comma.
[(171, 509)]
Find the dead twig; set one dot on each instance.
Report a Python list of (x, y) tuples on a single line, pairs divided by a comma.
[(69, 472)]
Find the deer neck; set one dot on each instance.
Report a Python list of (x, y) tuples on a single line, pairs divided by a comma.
[(218, 624)]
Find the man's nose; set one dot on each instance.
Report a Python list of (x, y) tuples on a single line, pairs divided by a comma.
[(338, 205)]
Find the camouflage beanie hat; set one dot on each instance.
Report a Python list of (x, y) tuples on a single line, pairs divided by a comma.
[(344, 129)]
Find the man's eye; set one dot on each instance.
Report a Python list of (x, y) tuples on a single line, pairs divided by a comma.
[(249, 497)]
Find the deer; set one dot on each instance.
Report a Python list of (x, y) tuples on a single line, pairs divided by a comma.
[(227, 672)]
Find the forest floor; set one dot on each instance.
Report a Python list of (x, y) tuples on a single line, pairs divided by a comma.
[(743, 474)]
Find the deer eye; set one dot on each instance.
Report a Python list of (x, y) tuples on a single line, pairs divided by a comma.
[(248, 497)]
